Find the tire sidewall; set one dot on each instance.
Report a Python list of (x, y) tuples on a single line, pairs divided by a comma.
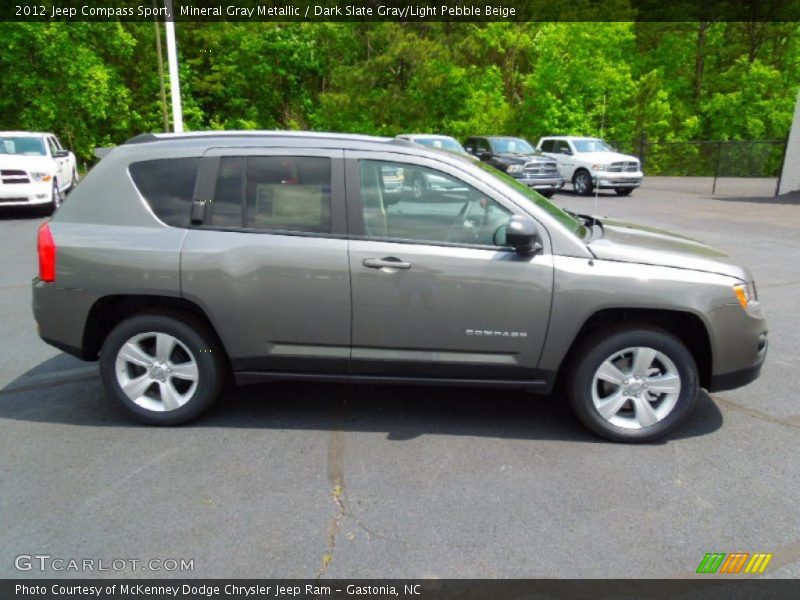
[(580, 385), (588, 189), (194, 339)]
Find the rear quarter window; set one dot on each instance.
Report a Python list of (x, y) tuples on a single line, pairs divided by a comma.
[(167, 185)]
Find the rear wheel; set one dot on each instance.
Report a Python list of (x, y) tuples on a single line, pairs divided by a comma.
[(582, 183), (163, 369), (623, 191), (632, 384)]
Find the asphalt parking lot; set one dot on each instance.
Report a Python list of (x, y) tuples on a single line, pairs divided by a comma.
[(301, 480)]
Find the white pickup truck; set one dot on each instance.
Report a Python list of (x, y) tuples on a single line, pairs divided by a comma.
[(35, 170), (590, 163)]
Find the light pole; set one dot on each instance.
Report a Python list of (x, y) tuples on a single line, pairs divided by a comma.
[(172, 58)]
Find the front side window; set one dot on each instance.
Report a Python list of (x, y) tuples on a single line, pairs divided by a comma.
[(168, 186), (273, 193), (548, 145), (408, 202)]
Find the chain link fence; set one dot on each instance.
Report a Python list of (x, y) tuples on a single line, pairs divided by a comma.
[(717, 159)]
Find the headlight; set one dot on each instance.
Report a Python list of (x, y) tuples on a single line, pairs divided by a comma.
[(515, 168), (599, 167), (746, 293), (40, 176)]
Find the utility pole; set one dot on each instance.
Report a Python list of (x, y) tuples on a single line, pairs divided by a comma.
[(161, 84), (174, 82)]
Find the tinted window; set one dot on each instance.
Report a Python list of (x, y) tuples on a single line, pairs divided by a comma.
[(277, 193), (483, 144), (168, 186), (548, 145), (408, 202)]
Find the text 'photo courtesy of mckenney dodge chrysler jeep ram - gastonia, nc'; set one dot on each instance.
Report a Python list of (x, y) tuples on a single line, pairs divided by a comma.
[(184, 259)]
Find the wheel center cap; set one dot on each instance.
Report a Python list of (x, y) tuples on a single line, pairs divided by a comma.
[(158, 371), (635, 387)]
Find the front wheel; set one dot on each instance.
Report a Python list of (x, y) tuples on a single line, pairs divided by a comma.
[(55, 198), (162, 369), (623, 191), (582, 183), (632, 384)]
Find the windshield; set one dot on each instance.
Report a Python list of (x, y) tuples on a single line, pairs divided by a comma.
[(511, 146), (25, 145), (567, 220), (591, 145), (442, 144)]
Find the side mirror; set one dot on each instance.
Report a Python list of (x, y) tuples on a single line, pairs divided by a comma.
[(483, 154), (520, 233), (566, 151), (61, 153)]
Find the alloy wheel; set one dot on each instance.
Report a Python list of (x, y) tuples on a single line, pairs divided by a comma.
[(636, 387)]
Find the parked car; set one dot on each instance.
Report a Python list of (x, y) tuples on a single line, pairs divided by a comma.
[(439, 142), (590, 163), (519, 159), (184, 258), (35, 170)]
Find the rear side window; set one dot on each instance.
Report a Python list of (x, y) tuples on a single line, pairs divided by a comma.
[(168, 186), (273, 193)]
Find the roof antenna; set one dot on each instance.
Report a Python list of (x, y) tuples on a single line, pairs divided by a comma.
[(597, 187)]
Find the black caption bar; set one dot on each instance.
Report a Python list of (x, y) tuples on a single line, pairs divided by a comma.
[(229, 589), (403, 10)]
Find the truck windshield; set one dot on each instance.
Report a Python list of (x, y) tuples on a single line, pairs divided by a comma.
[(442, 143), (591, 145), (511, 146), (567, 220), (25, 145)]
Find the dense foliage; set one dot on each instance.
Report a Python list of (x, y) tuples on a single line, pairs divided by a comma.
[(97, 84)]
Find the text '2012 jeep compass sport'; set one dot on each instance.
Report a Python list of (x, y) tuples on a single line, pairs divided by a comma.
[(183, 258)]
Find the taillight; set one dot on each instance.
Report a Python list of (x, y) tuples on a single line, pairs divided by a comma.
[(47, 253)]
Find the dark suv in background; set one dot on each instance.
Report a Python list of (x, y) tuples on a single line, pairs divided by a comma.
[(519, 159), (183, 259)]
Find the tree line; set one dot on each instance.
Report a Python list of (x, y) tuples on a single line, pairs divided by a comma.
[(97, 84)]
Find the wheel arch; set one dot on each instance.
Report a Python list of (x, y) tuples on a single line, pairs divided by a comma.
[(107, 312), (688, 327)]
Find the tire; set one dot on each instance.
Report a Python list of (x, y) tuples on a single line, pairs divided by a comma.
[(582, 183), (74, 180), (156, 395), (623, 191), (55, 199), (547, 193), (633, 412)]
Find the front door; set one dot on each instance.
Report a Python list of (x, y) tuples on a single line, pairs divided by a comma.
[(268, 263), (433, 296)]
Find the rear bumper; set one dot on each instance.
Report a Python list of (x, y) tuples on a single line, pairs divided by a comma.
[(25, 194), (61, 316)]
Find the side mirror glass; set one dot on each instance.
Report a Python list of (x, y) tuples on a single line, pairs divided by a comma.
[(520, 233), (566, 151)]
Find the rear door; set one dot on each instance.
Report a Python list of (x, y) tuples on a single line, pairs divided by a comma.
[(268, 260), (433, 296)]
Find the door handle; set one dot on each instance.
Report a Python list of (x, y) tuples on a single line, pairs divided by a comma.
[(390, 262)]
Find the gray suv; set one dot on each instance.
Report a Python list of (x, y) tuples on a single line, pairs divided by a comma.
[(183, 259)]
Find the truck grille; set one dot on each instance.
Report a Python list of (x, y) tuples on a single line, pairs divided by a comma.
[(541, 168), (628, 166), (13, 176)]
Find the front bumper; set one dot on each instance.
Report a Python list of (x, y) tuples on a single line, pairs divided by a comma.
[(542, 183), (606, 180), (739, 345), (25, 194)]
